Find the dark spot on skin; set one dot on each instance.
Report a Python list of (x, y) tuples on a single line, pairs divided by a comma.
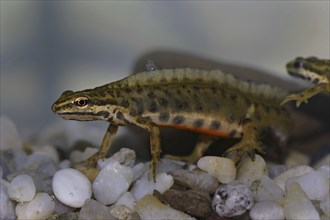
[(214, 90), (232, 133), (163, 117), (118, 93), (138, 105), (120, 116), (316, 81), (151, 94), (163, 102), (217, 105), (124, 103), (198, 123), (199, 107), (233, 97), (215, 125), (267, 109), (247, 102), (133, 112), (179, 105), (230, 119), (127, 90), (139, 90), (152, 107), (178, 119)]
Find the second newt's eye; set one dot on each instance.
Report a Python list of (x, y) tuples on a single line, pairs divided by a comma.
[(298, 64), (81, 101)]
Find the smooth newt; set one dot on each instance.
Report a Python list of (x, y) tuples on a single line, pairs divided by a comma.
[(208, 102), (314, 70)]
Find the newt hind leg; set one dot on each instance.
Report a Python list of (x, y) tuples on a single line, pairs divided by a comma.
[(248, 144)]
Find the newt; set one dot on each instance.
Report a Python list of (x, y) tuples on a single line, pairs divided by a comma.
[(311, 69), (212, 103)]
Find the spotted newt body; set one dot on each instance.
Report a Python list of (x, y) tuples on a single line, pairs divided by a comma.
[(208, 102), (311, 69)]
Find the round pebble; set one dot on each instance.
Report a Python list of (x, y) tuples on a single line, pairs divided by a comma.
[(71, 187), (41, 207), (10, 138), (6, 205), (266, 210), (265, 189), (143, 186), (325, 169), (93, 209), (149, 207), (293, 172), (248, 170), (22, 188), (232, 199), (297, 205), (126, 199), (315, 184), (222, 168), (112, 181)]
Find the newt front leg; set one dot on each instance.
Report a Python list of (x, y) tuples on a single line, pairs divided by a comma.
[(89, 166)]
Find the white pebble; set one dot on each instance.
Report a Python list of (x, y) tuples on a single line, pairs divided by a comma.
[(41, 207), (10, 138), (112, 181), (325, 206), (94, 210), (248, 170), (222, 168), (6, 205), (266, 210), (64, 164), (126, 199), (265, 189), (138, 170), (315, 184), (293, 172), (325, 169), (295, 158), (143, 186), (297, 205), (275, 170), (125, 157), (149, 207), (121, 212), (71, 187), (232, 199), (22, 188), (47, 150)]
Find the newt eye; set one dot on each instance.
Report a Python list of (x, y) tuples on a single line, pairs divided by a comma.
[(298, 64), (81, 101)]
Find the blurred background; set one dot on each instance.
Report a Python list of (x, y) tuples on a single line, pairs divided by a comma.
[(51, 46)]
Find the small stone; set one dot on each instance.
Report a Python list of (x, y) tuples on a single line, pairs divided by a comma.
[(10, 138), (112, 181), (71, 187), (192, 202), (222, 168), (64, 164), (325, 169), (266, 210), (125, 157), (325, 206), (196, 179), (143, 186), (22, 188), (47, 150), (95, 210), (293, 172), (232, 199), (168, 165), (122, 212), (126, 199), (6, 205), (248, 170), (315, 184), (41, 207), (139, 170), (297, 205), (296, 158), (265, 189), (149, 207)]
